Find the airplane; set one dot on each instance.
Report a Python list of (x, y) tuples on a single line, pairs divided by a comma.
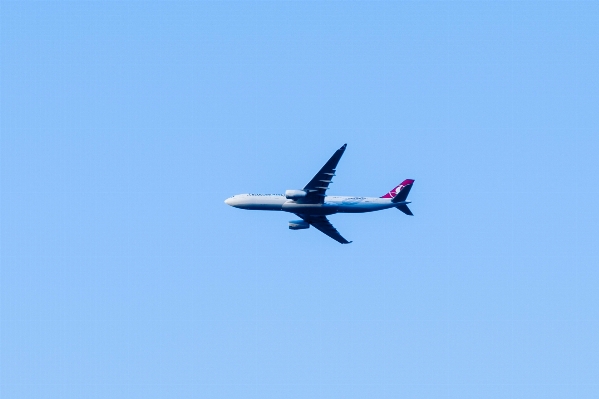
[(312, 205)]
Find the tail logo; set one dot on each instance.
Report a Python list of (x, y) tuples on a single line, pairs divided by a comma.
[(396, 190), (393, 193)]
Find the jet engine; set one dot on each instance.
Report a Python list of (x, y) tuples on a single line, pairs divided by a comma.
[(295, 194), (298, 225)]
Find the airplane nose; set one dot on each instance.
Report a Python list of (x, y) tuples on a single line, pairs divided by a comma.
[(229, 201)]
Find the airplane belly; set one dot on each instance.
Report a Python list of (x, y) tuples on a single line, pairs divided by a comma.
[(361, 207), (262, 204), (309, 209), (352, 209), (264, 207)]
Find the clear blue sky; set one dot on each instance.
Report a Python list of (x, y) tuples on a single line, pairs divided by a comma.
[(124, 126)]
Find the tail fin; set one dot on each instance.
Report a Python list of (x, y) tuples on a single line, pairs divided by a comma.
[(400, 193)]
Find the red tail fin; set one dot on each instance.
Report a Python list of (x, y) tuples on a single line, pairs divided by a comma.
[(406, 184)]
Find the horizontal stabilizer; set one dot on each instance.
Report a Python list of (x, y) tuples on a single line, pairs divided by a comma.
[(404, 208)]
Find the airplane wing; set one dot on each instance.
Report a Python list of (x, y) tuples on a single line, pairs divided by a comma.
[(317, 187), (322, 223)]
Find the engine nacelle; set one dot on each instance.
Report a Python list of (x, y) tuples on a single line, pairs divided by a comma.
[(298, 225), (295, 194)]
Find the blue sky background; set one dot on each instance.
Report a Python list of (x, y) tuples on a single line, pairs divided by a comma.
[(124, 126)]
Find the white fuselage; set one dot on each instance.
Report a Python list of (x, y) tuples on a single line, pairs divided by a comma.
[(331, 205)]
